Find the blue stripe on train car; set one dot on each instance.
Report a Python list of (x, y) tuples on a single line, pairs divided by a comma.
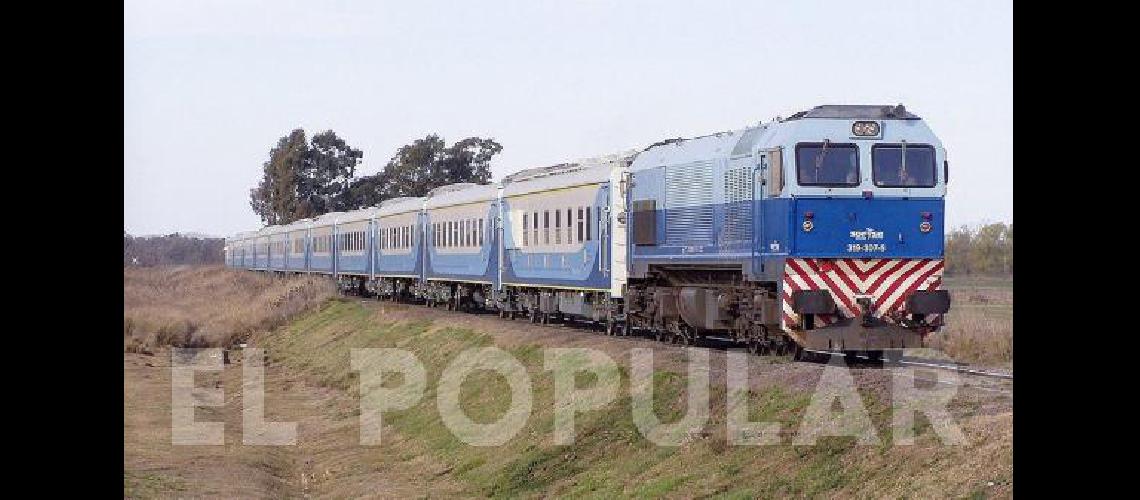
[(352, 263), (320, 263), (401, 265)]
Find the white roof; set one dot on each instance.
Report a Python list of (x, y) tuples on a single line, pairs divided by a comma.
[(587, 171), (357, 215), (458, 194), (400, 205)]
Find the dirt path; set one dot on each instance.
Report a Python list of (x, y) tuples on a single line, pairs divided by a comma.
[(327, 460)]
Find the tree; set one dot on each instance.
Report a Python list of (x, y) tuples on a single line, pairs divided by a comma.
[(306, 179), (987, 249), (276, 198), (428, 163), (368, 191), (329, 169)]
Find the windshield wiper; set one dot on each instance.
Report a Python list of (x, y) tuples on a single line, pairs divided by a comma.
[(819, 158), (902, 169)]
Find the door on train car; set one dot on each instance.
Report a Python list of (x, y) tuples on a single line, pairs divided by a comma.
[(759, 184), (767, 182)]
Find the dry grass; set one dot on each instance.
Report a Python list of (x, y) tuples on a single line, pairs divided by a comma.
[(979, 327), (204, 306)]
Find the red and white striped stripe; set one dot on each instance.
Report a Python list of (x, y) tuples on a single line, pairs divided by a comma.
[(888, 281)]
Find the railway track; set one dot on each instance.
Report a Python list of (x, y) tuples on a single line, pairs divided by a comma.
[(725, 344)]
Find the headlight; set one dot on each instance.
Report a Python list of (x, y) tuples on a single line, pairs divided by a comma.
[(865, 129), (925, 227), (808, 226)]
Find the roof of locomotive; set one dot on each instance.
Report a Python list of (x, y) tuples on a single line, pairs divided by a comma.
[(857, 112), (461, 193), (698, 149)]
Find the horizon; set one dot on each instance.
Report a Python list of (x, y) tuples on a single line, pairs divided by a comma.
[(209, 87)]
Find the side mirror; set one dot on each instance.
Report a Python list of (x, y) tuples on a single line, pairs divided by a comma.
[(946, 171)]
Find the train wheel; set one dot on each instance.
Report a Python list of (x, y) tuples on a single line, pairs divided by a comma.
[(753, 347), (545, 318), (658, 335)]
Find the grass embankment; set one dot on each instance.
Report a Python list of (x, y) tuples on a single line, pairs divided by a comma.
[(205, 306), (610, 457), (979, 327)]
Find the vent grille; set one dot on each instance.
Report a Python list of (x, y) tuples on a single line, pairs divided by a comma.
[(688, 201), (737, 222)]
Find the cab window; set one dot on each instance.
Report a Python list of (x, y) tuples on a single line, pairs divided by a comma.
[(891, 168), (827, 164)]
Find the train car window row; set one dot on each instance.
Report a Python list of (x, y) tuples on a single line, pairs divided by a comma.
[(353, 241), (397, 238), (579, 226), (464, 233)]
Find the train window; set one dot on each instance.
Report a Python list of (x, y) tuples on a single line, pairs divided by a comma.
[(467, 232), (589, 234), (546, 227), (827, 164), (534, 236), (903, 165), (557, 227), (526, 229), (581, 221), (480, 233)]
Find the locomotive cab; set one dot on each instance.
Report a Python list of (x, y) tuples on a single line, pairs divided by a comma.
[(865, 200)]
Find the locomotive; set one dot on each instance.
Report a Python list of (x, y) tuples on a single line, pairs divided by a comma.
[(822, 231)]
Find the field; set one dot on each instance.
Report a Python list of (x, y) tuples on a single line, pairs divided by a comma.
[(309, 381), (979, 328)]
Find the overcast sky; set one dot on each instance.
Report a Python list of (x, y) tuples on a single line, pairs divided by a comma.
[(211, 85)]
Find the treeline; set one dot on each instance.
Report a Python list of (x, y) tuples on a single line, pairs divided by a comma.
[(172, 249), (305, 178), (987, 249)]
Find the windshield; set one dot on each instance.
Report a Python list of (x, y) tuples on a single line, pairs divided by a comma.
[(827, 164), (889, 170)]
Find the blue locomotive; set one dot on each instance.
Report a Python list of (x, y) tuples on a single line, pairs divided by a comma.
[(822, 231)]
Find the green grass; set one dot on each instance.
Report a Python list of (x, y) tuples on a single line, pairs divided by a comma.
[(609, 457)]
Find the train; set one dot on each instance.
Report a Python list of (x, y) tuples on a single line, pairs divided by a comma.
[(819, 232)]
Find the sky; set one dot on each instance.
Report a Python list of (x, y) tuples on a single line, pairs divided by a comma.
[(210, 85)]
